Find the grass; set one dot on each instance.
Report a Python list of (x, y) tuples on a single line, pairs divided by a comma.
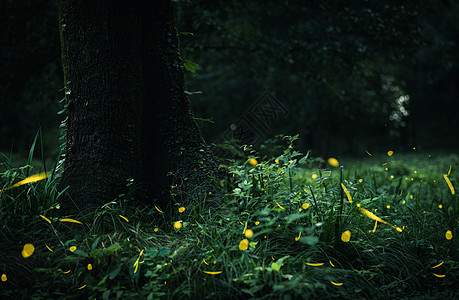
[(292, 207)]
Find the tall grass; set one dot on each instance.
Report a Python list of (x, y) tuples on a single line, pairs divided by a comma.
[(280, 234)]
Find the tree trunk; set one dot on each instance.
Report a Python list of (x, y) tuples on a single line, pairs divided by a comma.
[(128, 115)]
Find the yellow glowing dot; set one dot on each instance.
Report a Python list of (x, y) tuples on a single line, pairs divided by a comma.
[(297, 238), (28, 250), (358, 204), (156, 229), (412, 179), (124, 218), (414, 148), (305, 205), (346, 236), (261, 269), (388, 206), (415, 171), (249, 233), (181, 209), (253, 161), (395, 210), (314, 176), (265, 236), (392, 176), (315, 264), (72, 249), (360, 180), (333, 162), (244, 244), (411, 196), (387, 169), (46, 219), (290, 161), (178, 225), (398, 229), (440, 206), (215, 262), (276, 160), (257, 222), (300, 209), (89, 267), (390, 152), (449, 235), (4, 278)]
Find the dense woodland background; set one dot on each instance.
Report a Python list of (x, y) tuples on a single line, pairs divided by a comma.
[(359, 76)]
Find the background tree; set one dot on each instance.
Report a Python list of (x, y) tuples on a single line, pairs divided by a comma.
[(128, 115)]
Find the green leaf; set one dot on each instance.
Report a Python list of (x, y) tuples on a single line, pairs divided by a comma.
[(309, 240), (275, 266), (190, 66)]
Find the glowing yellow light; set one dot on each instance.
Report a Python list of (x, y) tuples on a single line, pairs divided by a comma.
[(392, 176), (82, 287), (449, 235), (331, 264), (205, 261), (244, 244), (387, 169), (276, 160), (376, 224), (360, 180), (49, 248), (388, 206), (66, 272), (213, 273), (368, 153), (136, 263), (156, 229), (315, 264), (336, 283), (333, 162), (28, 250), (46, 219), (346, 236), (249, 233), (253, 161), (411, 196), (297, 238), (257, 222), (89, 267), (4, 278), (245, 228), (279, 205), (181, 209), (70, 221), (33, 178), (438, 275), (358, 204), (72, 249), (290, 161), (440, 206), (449, 183), (390, 152), (314, 176), (158, 209), (305, 205), (449, 171), (436, 266), (178, 225), (124, 218), (398, 229), (347, 193)]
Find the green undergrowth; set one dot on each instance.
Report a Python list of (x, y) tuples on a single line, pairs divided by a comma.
[(286, 230)]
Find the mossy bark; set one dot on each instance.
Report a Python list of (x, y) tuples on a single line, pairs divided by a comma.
[(128, 115)]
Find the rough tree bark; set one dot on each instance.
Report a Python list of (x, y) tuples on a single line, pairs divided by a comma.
[(128, 115)]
